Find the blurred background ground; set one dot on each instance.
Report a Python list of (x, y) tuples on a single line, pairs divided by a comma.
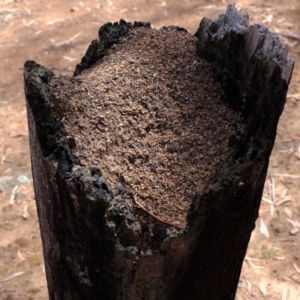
[(56, 34)]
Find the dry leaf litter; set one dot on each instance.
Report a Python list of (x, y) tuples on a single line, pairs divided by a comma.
[(151, 116)]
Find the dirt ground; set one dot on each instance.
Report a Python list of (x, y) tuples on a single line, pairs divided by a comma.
[(56, 35)]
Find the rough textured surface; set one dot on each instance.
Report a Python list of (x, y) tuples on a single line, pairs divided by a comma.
[(248, 60), (83, 255), (154, 121), (109, 34)]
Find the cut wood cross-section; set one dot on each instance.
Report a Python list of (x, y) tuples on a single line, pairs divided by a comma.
[(149, 163)]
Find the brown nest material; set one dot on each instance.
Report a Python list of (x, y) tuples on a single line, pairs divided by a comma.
[(151, 116)]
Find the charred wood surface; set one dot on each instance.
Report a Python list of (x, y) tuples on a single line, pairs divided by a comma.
[(83, 255)]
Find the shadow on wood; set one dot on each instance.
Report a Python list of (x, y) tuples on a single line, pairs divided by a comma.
[(85, 256)]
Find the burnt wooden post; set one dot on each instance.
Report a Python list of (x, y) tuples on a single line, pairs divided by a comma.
[(90, 252)]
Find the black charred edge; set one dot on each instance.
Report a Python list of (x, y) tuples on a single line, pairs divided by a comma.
[(53, 143), (221, 42), (255, 80), (36, 78), (109, 34), (254, 70)]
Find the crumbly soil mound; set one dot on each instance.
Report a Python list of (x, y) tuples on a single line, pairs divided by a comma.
[(151, 116)]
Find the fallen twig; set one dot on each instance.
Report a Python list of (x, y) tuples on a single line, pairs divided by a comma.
[(249, 260), (152, 215), (287, 175), (14, 194), (66, 42), (290, 35), (273, 189), (12, 276)]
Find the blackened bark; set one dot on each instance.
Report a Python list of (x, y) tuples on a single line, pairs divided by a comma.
[(109, 34), (85, 258)]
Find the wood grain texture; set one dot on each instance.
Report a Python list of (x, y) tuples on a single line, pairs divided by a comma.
[(84, 258)]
